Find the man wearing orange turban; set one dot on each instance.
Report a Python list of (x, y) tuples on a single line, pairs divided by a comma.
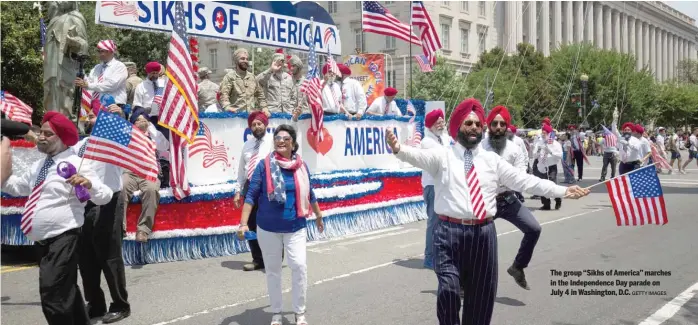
[(53, 217), (466, 179)]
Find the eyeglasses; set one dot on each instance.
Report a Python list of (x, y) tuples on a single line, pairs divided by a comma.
[(498, 123), (471, 122), (279, 138)]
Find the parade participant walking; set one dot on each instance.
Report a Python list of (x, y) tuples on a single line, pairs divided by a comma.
[(53, 216), (511, 135), (577, 139), (466, 179), (692, 145), (240, 91), (102, 239), (385, 105), (508, 206), (629, 147), (353, 95), (208, 91), (659, 141), (610, 150), (132, 81), (278, 86), (280, 187), (549, 153), (674, 146), (253, 151), (434, 137), (108, 77)]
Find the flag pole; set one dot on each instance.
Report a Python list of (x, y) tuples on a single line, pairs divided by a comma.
[(410, 43)]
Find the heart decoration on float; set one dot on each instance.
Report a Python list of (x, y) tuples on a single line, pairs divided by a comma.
[(322, 147)]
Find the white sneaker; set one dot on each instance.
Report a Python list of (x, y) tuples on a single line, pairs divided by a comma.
[(683, 172), (300, 319), (277, 319)]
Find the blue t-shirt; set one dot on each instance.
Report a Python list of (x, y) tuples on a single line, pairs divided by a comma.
[(271, 215)]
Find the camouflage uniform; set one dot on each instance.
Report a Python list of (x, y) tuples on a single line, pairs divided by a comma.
[(207, 89), (301, 99), (241, 91), (131, 83), (278, 90)]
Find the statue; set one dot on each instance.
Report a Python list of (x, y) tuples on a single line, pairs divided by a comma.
[(66, 39)]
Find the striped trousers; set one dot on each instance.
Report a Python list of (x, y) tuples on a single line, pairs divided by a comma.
[(472, 252)]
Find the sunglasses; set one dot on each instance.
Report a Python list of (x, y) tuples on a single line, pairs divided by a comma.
[(470, 123), (279, 138), (498, 123)]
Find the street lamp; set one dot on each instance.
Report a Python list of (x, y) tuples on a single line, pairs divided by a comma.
[(585, 83)]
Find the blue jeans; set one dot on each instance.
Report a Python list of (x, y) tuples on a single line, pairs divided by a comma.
[(431, 221)]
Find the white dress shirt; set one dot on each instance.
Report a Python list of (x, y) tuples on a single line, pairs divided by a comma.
[(522, 146), (247, 152), (630, 149), (694, 142), (114, 75), (548, 154), (145, 93), (58, 209), (644, 147), (331, 98), (511, 154), (452, 196), (109, 174), (431, 140), (162, 145), (378, 107), (660, 143), (577, 141), (354, 96)]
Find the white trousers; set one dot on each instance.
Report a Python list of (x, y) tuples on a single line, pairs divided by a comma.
[(272, 244)]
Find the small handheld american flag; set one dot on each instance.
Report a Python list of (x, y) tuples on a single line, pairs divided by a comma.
[(637, 198), (311, 87), (15, 109), (610, 139)]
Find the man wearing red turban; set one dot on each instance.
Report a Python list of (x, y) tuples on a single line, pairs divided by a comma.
[(353, 93), (332, 98), (385, 105), (148, 94), (577, 139), (630, 148), (434, 137), (466, 179), (508, 205), (53, 217), (108, 77), (253, 151)]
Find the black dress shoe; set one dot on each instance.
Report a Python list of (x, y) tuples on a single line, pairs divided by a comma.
[(519, 277), (116, 316), (253, 266), (95, 312), (545, 208), (557, 205)]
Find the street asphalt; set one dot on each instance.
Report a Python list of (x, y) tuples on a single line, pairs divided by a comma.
[(378, 278)]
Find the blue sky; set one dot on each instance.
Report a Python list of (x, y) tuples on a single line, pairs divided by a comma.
[(687, 7)]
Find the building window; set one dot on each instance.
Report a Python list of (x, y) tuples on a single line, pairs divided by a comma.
[(446, 3), (483, 41), (391, 78), (389, 42), (464, 6), (213, 59), (387, 3), (464, 33), (332, 7), (357, 38), (445, 36), (483, 9), (357, 6)]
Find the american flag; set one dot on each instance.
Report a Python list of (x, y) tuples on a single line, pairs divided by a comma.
[(658, 159), (312, 87), (423, 62), (122, 8), (611, 140), (551, 137), (157, 100), (15, 109), (478, 203), (42, 29), (377, 19), (30, 205), (85, 103), (333, 64), (116, 141), (428, 36), (637, 198), (213, 152), (179, 110)]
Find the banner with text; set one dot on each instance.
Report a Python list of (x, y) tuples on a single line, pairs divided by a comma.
[(277, 24), (346, 145), (369, 69)]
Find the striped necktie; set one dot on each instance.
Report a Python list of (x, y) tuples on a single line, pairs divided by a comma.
[(30, 205), (471, 180), (81, 152), (253, 159)]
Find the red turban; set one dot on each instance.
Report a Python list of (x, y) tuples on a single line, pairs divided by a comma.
[(461, 112), (628, 125), (152, 67), (62, 127), (499, 110), (513, 129), (639, 129), (279, 50), (257, 115), (344, 70), (547, 128), (325, 68), (432, 117), (546, 120), (390, 91), (572, 127)]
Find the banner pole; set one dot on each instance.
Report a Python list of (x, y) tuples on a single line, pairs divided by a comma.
[(410, 43)]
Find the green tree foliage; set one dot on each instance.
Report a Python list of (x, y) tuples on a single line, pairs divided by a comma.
[(441, 84)]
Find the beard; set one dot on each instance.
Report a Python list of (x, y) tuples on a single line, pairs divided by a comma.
[(438, 132), (466, 139), (88, 128), (259, 133), (243, 66), (498, 141)]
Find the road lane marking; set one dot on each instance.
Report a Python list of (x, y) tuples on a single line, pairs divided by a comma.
[(364, 234), (15, 268), (671, 308), (341, 276), (360, 240)]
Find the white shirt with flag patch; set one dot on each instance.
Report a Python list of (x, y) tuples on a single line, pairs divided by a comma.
[(145, 95), (58, 209), (112, 81), (247, 152)]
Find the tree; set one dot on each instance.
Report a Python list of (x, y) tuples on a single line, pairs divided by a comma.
[(687, 71), (441, 84)]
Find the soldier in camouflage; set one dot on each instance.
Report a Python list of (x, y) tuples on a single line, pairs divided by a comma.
[(132, 82), (301, 104), (278, 86), (207, 91), (240, 91)]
